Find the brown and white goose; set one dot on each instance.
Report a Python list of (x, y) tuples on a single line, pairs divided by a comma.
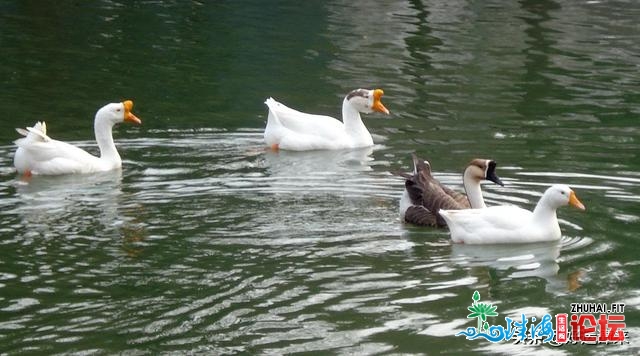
[(424, 195)]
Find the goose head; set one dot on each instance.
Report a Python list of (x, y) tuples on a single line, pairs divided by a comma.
[(480, 169), (420, 165), (421, 168), (559, 195), (367, 101), (116, 113)]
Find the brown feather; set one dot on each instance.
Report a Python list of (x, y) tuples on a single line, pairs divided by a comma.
[(419, 215), (428, 196)]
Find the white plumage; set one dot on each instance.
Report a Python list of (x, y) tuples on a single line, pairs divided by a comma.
[(39, 154), (290, 129), (511, 224)]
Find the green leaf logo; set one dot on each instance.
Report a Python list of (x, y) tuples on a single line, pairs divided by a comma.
[(476, 297), (481, 311)]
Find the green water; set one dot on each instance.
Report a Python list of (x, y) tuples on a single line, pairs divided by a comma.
[(206, 243)]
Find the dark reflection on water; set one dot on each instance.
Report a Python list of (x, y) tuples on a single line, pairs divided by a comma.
[(208, 243)]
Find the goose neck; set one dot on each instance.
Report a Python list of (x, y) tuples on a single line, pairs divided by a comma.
[(104, 137), (473, 190), (351, 117), (545, 211)]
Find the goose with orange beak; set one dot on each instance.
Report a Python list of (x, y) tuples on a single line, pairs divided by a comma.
[(289, 129), (38, 154), (511, 224)]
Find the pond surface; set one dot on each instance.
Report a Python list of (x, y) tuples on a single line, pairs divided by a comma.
[(207, 243)]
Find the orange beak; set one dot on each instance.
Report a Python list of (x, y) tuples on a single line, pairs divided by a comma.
[(574, 201), (377, 104), (128, 115)]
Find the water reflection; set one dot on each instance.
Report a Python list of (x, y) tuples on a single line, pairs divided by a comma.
[(370, 45), (297, 164), (76, 207), (517, 261), (536, 84), (60, 204)]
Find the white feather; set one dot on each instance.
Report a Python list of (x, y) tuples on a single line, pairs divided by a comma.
[(510, 224), (290, 129), (37, 153)]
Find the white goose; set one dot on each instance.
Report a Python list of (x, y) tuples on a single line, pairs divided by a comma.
[(39, 154), (424, 195), (289, 129), (511, 224)]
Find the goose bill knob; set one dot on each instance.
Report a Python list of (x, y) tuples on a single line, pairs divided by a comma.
[(377, 104), (128, 115), (491, 173), (575, 202)]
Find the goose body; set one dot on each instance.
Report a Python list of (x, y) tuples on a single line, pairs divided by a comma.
[(39, 154), (289, 129), (424, 195), (511, 224)]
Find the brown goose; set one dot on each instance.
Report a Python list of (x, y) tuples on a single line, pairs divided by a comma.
[(424, 195)]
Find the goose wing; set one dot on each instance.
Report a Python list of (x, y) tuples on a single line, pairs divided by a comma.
[(419, 215), (303, 123), (490, 225), (51, 157), (461, 200)]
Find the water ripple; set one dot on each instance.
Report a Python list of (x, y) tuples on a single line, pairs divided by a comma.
[(206, 243), (264, 266)]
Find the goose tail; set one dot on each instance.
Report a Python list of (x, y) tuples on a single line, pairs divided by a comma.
[(37, 133), (272, 104)]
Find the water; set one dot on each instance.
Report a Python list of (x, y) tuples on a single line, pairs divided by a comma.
[(207, 243)]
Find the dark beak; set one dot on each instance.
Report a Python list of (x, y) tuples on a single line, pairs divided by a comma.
[(491, 174)]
